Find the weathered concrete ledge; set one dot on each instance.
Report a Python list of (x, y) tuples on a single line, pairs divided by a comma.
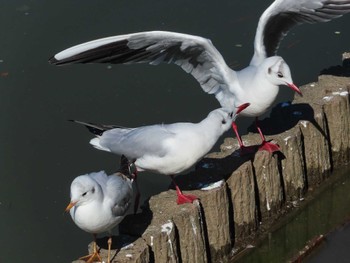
[(254, 191)]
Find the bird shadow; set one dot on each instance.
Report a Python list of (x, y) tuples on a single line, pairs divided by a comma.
[(284, 116), (210, 170), (339, 70)]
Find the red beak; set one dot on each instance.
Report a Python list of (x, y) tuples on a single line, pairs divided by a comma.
[(242, 107), (295, 88)]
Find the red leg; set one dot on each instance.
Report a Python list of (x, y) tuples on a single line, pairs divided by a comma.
[(243, 149), (182, 198), (234, 127), (267, 146)]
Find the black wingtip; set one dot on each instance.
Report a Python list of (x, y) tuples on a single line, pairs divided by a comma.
[(93, 128), (53, 61), (124, 165)]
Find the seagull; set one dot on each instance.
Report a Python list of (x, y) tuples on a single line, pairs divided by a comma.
[(167, 149), (257, 84), (98, 203)]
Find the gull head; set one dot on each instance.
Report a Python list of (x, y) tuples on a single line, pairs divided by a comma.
[(225, 117), (83, 190), (222, 117), (278, 73)]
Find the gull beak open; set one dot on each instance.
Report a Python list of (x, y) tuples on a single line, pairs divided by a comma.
[(242, 107), (295, 88), (69, 206)]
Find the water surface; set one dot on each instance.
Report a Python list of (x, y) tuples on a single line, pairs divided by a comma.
[(324, 211), (41, 152)]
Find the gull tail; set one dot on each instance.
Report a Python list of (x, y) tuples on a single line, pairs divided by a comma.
[(95, 142), (97, 129)]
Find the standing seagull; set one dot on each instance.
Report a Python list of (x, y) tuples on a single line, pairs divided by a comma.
[(165, 148), (98, 203), (257, 84)]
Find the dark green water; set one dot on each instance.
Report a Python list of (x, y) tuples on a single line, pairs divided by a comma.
[(41, 153), (325, 211)]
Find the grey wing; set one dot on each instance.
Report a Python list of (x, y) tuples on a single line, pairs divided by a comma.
[(282, 15), (195, 55), (137, 142), (119, 193)]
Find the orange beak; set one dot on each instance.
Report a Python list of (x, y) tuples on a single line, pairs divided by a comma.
[(295, 88), (69, 206)]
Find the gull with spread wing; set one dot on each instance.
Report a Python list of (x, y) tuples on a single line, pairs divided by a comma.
[(257, 84)]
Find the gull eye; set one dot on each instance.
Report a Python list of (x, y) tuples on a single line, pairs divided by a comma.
[(223, 121), (84, 194), (280, 75)]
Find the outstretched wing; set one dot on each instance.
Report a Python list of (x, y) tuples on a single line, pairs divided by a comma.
[(195, 55), (282, 15)]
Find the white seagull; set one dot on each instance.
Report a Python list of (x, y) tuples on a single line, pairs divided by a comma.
[(165, 148), (257, 84), (98, 203)]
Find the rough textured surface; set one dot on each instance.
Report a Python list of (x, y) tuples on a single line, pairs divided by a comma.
[(243, 190), (187, 220), (314, 136), (216, 220), (292, 166)]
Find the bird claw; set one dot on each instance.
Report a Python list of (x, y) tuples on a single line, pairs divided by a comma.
[(182, 198), (94, 257), (269, 146)]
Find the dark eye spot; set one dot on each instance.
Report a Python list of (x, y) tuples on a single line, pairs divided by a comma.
[(93, 190), (84, 194), (280, 75), (269, 70), (223, 121)]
